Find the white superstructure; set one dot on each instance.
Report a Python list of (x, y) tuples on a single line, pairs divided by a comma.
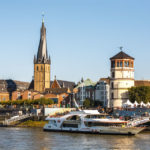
[(90, 122)]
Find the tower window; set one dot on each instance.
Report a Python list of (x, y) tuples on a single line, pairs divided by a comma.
[(37, 68), (131, 64), (112, 95), (113, 64), (127, 63), (112, 85), (124, 63), (120, 63)]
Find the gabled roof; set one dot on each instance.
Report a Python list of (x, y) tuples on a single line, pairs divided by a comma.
[(55, 84), (121, 55)]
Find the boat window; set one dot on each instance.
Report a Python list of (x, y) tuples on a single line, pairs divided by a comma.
[(53, 122), (95, 116), (90, 124), (72, 125), (75, 117)]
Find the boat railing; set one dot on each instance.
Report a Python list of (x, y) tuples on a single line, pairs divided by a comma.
[(72, 121), (137, 121)]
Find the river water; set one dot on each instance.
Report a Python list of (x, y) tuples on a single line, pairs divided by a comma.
[(36, 139)]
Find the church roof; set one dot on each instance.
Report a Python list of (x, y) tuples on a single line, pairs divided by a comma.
[(121, 55), (60, 84), (55, 84), (66, 84), (42, 55)]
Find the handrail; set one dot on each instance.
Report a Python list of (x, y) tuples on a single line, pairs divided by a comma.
[(11, 120), (138, 121)]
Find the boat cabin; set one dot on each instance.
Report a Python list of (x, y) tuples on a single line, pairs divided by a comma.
[(72, 121)]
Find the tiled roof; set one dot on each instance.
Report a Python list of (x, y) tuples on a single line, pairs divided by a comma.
[(31, 85), (56, 90), (107, 80), (12, 85), (121, 55), (142, 82), (66, 84)]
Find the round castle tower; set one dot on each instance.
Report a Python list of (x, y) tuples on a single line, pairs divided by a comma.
[(122, 78)]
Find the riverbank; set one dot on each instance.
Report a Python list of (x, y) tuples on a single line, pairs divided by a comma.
[(31, 123)]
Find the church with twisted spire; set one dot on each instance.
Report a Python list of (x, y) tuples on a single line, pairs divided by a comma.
[(42, 69), (42, 64)]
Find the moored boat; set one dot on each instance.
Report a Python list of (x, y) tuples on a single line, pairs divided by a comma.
[(90, 121)]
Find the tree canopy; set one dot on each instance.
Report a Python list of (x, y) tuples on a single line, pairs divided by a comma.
[(41, 101), (91, 103), (86, 103), (139, 94)]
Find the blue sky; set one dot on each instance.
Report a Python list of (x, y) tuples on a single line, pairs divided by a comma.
[(81, 36)]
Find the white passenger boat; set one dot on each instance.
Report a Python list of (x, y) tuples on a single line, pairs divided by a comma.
[(90, 121)]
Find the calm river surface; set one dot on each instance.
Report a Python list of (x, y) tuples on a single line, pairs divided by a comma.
[(36, 139)]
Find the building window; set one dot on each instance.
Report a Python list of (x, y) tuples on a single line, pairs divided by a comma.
[(113, 75), (37, 68), (112, 95)]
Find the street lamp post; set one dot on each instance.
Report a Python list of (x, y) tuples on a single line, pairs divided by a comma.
[(82, 94)]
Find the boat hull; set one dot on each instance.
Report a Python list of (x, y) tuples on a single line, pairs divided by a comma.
[(110, 131)]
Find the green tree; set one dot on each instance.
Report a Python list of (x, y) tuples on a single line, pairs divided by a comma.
[(141, 93), (86, 103)]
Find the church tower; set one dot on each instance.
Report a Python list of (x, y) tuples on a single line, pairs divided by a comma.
[(122, 78), (42, 64)]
